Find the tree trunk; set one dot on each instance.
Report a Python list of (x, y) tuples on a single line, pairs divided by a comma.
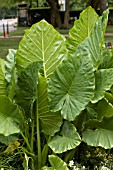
[(99, 3), (37, 3), (55, 16), (66, 15), (103, 6), (30, 2), (94, 3)]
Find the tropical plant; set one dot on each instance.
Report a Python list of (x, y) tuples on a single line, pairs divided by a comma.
[(57, 92)]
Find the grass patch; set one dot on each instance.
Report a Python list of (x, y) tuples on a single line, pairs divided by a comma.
[(20, 31), (6, 44), (109, 29), (109, 39)]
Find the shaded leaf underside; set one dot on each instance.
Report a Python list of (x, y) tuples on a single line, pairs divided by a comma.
[(50, 121)]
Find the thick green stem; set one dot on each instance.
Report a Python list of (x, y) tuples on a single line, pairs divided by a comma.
[(33, 125), (27, 152), (32, 136), (45, 152), (27, 142), (38, 137)]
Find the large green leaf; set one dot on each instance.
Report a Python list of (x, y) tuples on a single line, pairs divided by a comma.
[(92, 124), (103, 82), (106, 59), (99, 110), (10, 117), (91, 112), (99, 137), (109, 97), (10, 63), (106, 123), (42, 43), (101, 134), (93, 43), (104, 108), (57, 163), (10, 74), (67, 140), (81, 28), (27, 85), (50, 121), (71, 86), (2, 78), (8, 139)]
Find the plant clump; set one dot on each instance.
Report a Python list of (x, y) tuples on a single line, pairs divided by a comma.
[(56, 95)]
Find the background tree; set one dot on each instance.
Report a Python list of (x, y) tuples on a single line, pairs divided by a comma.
[(66, 15), (55, 16), (102, 4), (54, 5)]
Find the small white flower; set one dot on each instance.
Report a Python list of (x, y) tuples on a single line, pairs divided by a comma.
[(71, 163), (104, 168), (83, 167), (75, 168)]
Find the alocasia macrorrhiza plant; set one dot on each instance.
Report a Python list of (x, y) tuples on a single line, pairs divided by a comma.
[(57, 92)]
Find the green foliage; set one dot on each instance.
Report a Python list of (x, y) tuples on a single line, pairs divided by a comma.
[(81, 29), (10, 117), (68, 139), (60, 92), (69, 79), (2, 78), (45, 44), (56, 163)]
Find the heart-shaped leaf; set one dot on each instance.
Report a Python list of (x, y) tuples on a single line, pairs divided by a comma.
[(11, 73), (71, 86), (103, 82), (57, 163), (10, 117), (109, 97), (10, 63), (99, 137), (8, 139), (41, 43), (69, 139), (104, 108), (27, 85), (93, 43), (106, 61), (81, 29)]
